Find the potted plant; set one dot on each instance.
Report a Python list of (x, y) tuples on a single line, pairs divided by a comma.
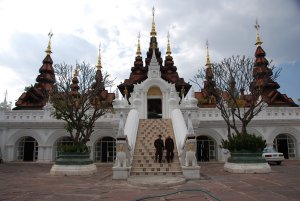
[(73, 154), (78, 99), (244, 148)]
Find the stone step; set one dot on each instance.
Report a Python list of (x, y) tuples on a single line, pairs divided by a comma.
[(152, 169), (148, 148), (150, 173), (147, 156), (157, 165), (151, 154), (144, 153), (150, 159)]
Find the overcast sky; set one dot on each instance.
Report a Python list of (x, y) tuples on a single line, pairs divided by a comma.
[(79, 26)]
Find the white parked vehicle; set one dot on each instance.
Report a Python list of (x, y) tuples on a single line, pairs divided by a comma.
[(271, 155)]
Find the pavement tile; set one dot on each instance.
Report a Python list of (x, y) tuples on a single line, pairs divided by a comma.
[(32, 181)]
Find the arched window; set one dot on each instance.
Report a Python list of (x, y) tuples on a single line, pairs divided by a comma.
[(285, 144), (27, 149), (105, 150), (206, 149)]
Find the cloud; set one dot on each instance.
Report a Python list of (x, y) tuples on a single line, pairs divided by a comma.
[(78, 30)]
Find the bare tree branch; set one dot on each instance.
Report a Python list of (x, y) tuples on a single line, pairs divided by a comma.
[(81, 101)]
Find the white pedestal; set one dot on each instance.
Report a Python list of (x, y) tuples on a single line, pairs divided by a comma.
[(121, 173), (248, 168), (191, 172), (68, 170)]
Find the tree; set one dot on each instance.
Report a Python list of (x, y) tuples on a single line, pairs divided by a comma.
[(234, 91), (80, 99)]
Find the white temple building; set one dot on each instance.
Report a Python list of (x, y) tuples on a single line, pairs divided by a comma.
[(153, 90)]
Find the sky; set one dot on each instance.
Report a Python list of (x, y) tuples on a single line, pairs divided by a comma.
[(79, 26)]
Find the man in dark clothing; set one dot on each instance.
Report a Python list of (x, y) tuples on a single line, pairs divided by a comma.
[(169, 145), (159, 145)]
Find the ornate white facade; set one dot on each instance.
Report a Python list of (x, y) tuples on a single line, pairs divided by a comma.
[(33, 135)]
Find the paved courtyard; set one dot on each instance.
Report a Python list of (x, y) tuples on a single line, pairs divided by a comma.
[(30, 181)]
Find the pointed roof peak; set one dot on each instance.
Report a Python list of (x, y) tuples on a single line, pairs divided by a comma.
[(153, 32), (168, 45), (48, 50), (5, 97), (153, 58), (76, 71), (208, 64), (138, 51), (257, 27), (99, 65)]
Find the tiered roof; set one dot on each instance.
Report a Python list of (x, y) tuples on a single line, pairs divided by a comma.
[(205, 96), (168, 71), (36, 97), (99, 86), (263, 80)]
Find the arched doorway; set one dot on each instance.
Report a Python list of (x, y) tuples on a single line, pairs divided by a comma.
[(285, 144), (206, 149), (27, 149), (154, 103), (60, 142), (105, 150)]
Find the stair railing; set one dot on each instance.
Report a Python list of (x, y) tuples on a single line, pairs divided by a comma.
[(180, 132), (130, 130)]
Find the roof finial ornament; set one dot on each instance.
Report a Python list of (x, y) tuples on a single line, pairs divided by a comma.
[(153, 32), (5, 97), (76, 71), (138, 51), (99, 66), (208, 64), (48, 50), (168, 45), (258, 41)]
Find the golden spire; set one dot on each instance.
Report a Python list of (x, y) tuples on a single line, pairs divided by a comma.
[(208, 64), (76, 71), (48, 50), (168, 45), (138, 51), (125, 92), (99, 66), (258, 41), (153, 32)]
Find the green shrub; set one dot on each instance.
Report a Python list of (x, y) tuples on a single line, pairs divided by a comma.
[(244, 142), (71, 148)]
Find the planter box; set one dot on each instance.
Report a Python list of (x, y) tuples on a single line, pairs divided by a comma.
[(246, 157), (247, 162), (247, 168), (68, 164), (73, 158)]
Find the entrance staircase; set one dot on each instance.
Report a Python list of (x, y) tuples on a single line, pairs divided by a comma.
[(144, 154)]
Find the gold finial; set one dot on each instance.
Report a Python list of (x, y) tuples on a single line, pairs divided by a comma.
[(208, 64), (76, 71), (258, 41), (182, 91), (99, 66), (168, 45), (126, 92), (48, 50), (5, 97), (138, 51), (153, 32)]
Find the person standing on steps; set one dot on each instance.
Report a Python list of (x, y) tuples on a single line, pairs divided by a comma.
[(159, 146), (169, 145)]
